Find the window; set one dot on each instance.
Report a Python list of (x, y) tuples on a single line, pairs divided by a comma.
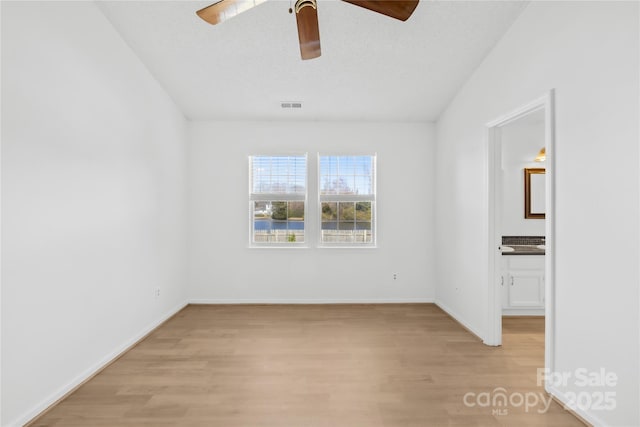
[(347, 196), (277, 200)]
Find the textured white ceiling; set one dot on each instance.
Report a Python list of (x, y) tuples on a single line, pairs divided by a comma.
[(372, 67)]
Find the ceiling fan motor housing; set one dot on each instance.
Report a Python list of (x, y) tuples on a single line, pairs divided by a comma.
[(300, 4)]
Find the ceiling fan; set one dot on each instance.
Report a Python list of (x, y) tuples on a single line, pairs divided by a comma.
[(306, 16)]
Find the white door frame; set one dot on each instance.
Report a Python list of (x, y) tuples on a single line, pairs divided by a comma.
[(494, 236)]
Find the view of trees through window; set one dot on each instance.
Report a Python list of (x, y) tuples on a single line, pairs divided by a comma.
[(346, 216), (278, 221)]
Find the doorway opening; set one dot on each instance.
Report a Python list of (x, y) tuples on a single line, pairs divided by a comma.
[(521, 285)]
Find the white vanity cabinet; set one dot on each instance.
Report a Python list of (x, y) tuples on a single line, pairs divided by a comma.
[(523, 285)]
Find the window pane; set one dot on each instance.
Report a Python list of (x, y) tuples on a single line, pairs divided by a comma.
[(345, 232), (278, 174), (362, 184), (363, 211), (330, 225), (345, 211), (346, 226), (278, 222), (346, 174), (296, 211), (262, 210), (279, 211), (353, 225), (329, 211)]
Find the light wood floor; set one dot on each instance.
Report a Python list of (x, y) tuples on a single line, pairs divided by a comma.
[(325, 365)]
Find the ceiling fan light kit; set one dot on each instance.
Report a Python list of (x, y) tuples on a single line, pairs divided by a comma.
[(307, 16)]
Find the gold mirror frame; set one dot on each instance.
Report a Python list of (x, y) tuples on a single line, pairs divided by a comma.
[(527, 193)]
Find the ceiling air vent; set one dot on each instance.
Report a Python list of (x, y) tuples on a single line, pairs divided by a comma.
[(291, 105)]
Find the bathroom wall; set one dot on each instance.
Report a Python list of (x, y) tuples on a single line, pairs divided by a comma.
[(521, 142)]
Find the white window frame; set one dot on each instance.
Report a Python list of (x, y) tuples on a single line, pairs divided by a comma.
[(284, 197), (323, 198)]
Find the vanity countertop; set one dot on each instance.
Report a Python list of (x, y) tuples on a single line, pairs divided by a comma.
[(523, 249)]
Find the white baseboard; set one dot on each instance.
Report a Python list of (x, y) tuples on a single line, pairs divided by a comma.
[(64, 390), (586, 416), (311, 301), (459, 319)]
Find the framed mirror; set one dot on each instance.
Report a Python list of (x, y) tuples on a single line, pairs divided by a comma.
[(534, 189)]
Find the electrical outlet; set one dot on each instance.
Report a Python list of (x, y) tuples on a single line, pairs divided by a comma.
[(395, 276), (157, 293)]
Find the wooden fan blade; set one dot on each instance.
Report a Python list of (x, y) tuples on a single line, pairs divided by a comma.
[(225, 9), (308, 31), (399, 9)]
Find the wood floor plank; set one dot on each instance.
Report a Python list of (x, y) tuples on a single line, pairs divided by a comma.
[(313, 365)]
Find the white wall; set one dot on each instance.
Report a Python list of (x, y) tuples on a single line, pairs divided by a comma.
[(224, 269), (521, 142), (93, 197), (588, 52)]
